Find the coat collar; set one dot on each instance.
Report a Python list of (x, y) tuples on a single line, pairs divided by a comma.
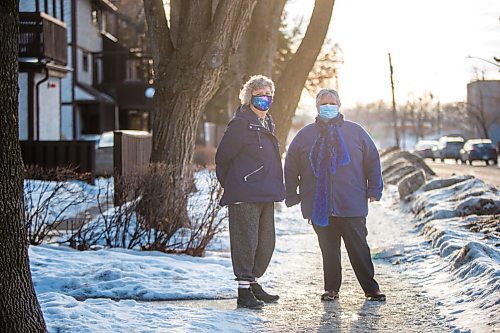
[(245, 112)]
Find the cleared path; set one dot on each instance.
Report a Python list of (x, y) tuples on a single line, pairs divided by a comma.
[(296, 275)]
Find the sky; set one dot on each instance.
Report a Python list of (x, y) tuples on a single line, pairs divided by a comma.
[(429, 41)]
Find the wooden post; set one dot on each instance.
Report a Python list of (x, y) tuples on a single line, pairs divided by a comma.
[(394, 114), (117, 166)]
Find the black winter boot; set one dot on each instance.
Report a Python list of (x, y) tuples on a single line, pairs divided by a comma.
[(246, 299), (260, 294)]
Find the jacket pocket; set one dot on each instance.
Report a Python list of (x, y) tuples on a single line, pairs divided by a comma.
[(254, 175)]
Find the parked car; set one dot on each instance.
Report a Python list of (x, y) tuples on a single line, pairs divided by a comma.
[(104, 154), (479, 150), (423, 148), (448, 147)]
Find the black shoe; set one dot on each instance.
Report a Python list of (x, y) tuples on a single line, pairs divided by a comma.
[(375, 296), (330, 295), (260, 294), (246, 299)]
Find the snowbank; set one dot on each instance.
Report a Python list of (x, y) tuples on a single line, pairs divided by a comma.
[(460, 216), (65, 314), (129, 274)]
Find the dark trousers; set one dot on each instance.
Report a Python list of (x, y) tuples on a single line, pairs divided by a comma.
[(353, 231), (252, 237)]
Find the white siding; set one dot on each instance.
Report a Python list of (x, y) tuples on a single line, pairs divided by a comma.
[(84, 76), (23, 106), (66, 122), (67, 93), (50, 106), (67, 20), (27, 5), (88, 38)]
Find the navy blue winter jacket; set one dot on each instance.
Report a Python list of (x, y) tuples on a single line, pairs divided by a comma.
[(352, 185), (248, 162)]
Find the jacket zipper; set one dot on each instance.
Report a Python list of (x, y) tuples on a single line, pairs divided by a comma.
[(251, 173)]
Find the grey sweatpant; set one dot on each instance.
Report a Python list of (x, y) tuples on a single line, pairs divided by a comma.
[(252, 236)]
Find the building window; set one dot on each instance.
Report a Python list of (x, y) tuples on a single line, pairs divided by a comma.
[(96, 16), (85, 61)]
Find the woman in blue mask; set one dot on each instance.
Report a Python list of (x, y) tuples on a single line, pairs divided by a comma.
[(248, 166), (336, 167)]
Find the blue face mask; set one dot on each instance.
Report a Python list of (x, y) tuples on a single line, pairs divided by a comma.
[(328, 111), (262, 102)]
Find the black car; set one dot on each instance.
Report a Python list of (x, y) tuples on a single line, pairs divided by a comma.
[(448, 147), (479, 150)]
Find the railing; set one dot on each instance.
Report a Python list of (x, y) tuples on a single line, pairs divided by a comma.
[(79, 155), (42, 36)]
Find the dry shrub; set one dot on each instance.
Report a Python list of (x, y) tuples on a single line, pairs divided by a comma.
[(146, 221), (48, 199), (208, 216), (204, 156)]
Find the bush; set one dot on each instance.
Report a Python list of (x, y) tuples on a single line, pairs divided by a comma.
[(50, 202), (144, 222), (204, 156)]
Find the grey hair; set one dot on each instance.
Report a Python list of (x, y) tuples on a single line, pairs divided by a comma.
[(328, 92), (255, 82)]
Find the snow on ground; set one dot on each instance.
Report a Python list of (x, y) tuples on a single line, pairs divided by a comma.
[(64, 314), (460, 268), (64, 200), (469, 276), (111, 290), (128, 274)]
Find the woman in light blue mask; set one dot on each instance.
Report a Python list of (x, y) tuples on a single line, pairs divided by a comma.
[(336, 167)]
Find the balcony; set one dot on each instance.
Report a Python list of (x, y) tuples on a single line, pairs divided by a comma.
[(43, 37)]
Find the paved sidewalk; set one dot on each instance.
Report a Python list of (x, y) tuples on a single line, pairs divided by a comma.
[(296, 275), (407, 308)]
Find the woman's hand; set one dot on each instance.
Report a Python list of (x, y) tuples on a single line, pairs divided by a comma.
[(372, 199)]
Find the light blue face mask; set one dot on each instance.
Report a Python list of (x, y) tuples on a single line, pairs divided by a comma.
[(328, 111)]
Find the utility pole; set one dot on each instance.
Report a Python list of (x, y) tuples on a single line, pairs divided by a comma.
[(394, 115), (439, 117)]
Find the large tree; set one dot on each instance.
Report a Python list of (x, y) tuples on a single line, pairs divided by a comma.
[(190, 55), (291, 81), (267, 50), (256, 54), (19, 307)]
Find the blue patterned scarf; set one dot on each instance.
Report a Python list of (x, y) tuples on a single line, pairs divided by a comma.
[(327, 154)]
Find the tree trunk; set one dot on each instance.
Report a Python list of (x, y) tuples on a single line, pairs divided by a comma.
[(186, 77), (261, 38), (255, 55), (19, 307), (291, 83)]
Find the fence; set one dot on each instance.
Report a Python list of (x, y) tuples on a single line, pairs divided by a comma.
[(79, 155), (132, 150)]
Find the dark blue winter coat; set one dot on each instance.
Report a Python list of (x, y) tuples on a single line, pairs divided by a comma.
[(352, 184), (248, 162)]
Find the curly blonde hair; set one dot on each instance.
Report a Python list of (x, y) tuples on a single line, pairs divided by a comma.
[(255, 82)]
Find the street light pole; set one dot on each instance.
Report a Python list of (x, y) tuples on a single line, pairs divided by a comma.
[(488, 61), (394, 115)]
